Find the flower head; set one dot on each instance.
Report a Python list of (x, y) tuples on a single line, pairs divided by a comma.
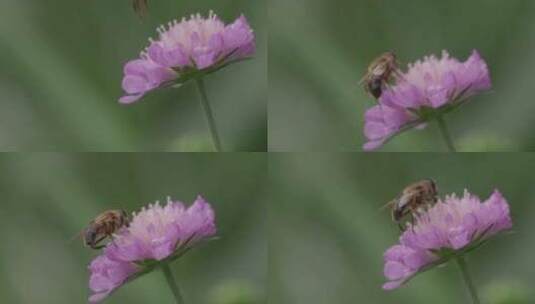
[(185, 50), (451, 227), (156, 234), (429, 88)]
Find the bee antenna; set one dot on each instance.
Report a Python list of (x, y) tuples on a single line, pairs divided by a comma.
[(387, 205), (77, 236)]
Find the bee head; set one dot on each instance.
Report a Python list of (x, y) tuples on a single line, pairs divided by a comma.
[(375, 87), (90, 235), (397, 214)]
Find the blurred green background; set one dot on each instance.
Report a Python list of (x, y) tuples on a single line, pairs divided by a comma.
[(48, 198), (319, 50), (328, 235), (61, 66)]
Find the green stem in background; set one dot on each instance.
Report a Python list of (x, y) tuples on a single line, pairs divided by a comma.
[(445, 133), (467, 279), (205, 103), (172, 283)]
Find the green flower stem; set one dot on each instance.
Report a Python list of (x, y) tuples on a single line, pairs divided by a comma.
[(172, 283), (445, 133), (467, 279), (205, 103)]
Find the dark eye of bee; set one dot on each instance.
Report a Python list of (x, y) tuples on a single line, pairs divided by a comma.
[(398, 213), (375, 87), (90, 236)]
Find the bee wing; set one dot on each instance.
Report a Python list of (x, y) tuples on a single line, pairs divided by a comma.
[(378, 70), (398, 74), (140, 7)]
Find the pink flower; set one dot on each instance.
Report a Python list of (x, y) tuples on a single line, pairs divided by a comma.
[(107, 275), (185, 50), (382, 122), (451, 227), (155, 234), (430, 87), (142, 76)]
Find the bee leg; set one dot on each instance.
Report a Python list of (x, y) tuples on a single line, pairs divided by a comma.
[(400, 225), (368, 92), (421, 210), (399, 75), (387, 85), (140, 7), (95, 244), (112, 236)]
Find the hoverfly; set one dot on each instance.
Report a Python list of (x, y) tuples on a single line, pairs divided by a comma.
[(414, 199), (379, 73), (104, 226)]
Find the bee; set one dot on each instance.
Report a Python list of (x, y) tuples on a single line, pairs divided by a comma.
[(379, 73), (414, 199), (104, 226), (140, 7)]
